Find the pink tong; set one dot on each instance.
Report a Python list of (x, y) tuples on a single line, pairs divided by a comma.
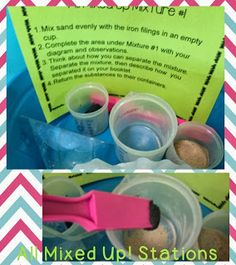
[(99, 210)]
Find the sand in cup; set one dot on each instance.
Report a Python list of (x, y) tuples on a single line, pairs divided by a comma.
[(197, 145)]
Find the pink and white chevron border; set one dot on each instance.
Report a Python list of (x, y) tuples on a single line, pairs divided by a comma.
[(20, 191)]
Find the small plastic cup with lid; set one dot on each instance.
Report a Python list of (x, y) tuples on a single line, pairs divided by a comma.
[(142, 125), (197, 145), (92, 119)]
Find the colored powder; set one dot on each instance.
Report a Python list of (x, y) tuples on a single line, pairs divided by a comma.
[(192, 153), (68, 224), (92, 108), (163, 237)]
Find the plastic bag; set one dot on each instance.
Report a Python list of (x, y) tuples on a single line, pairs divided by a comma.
[(63, 149)]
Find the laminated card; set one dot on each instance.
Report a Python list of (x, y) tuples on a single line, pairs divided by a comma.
[(176, 53)]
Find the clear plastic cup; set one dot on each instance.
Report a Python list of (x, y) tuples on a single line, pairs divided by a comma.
[(202, 134), (142, 125), (57, 234), (62, 186), (219, 221), (92, 119), (180, 210)]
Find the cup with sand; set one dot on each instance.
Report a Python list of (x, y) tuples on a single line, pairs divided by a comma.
[(197, 145), (180, 221)]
